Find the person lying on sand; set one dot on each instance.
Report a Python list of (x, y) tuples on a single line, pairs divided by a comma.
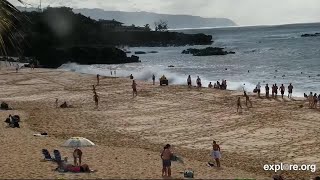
[(63, 167), (166, 160), (216, 154)]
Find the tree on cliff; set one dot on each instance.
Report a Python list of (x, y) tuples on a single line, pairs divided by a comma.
[(161, 25)]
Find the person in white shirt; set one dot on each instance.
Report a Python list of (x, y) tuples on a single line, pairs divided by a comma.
[(258, 89)]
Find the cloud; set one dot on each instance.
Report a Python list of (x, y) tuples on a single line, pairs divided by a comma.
[(244, 12)]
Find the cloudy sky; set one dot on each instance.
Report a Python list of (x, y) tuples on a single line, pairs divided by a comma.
[(243, 12)]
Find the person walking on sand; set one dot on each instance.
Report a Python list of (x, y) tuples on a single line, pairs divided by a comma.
[(267, 90), (96, 99), (239, 105), (134, 88), (98, 79), (282, 90), (94, 88), (153, 79), (216, 153), (247, 99), (189, 81), (166, 160), (258, 87), (290, 88)]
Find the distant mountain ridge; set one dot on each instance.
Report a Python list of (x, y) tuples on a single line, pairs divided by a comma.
[(142, 18)]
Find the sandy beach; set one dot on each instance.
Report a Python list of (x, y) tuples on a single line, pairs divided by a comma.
[(130, 132)]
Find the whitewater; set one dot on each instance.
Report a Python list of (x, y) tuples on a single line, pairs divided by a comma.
[(271, 54)]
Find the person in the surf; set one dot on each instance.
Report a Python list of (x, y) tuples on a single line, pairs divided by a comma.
[(267, 90), (282, 90), (290, 88)]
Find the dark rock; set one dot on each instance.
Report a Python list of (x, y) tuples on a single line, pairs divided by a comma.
[(153, 52), (209, 51), (4, 106), (140, 52), (310, 35), (171, 66)]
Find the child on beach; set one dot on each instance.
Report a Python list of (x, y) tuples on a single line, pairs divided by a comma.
[(166, 160), (239, 105), (134, 88), (216, 154)]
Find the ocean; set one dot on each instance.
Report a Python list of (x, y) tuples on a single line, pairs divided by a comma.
[(272, 54)]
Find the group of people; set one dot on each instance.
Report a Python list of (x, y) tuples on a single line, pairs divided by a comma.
[(313, 100), (218, 85), (167, 156), (13, 121), (274, 90)]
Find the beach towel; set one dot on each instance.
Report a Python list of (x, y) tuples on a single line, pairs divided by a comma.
[(47, 155), (41, 135)]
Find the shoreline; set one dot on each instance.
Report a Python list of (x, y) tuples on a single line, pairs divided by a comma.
[(128, 128)]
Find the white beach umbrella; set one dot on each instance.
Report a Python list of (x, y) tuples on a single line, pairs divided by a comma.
[(76, 142)]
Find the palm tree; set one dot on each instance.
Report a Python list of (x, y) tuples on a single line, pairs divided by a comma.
[(10, 17)]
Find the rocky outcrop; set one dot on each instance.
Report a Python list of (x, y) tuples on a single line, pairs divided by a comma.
[(209, 51), (55, 57), (310, 35)]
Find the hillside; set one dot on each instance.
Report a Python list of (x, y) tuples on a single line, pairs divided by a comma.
[(142, 18)]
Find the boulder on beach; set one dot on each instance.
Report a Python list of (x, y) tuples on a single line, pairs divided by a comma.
[(209, 51)]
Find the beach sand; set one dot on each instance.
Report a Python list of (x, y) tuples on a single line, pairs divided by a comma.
[(130, 132)]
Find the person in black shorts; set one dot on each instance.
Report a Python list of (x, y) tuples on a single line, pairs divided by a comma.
[(290, 88), (276, 90), (282, 89)]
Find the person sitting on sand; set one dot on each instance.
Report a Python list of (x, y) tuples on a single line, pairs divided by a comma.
[(166, 160), (215, 86), (134, 88), (189, 81), (96, 99), (210, 85), (239, 104), (64, 105), (282, 90), (131, 77), (290, 88), (247, 99), (216, 154), (62, 166), (98, 79), (77, 154), (267, 90), (199, 82), (153, 79)]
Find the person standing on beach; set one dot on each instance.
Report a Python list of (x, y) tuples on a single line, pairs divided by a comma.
[(272, 90), (239, 105), (310, 98), (216, 154), (153, 79), (290, 88), (57, 103), (115, 73), (134, 88), (276, 90), (282, 90), (199, 82), (94, 89), (77, 154), (17, 68), (98, 79), (210, 85), (267, 90), (111, 72), (315, 100), (166, 160), (258, 87), (247, 99), (96, 99), (189, 81)]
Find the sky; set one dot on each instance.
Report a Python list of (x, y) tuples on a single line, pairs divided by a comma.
[(243, 12)]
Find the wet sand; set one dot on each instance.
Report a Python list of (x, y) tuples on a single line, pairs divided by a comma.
[(130, 132)]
